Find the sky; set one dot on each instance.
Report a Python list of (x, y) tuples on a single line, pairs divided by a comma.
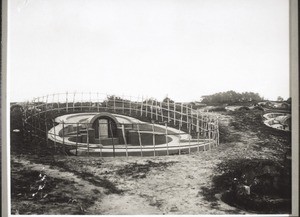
[(176, 48)]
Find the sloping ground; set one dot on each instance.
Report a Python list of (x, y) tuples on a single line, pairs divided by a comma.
[(164, 185), (179, 184)]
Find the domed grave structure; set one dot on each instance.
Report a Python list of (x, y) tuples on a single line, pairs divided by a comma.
[(114, 126)]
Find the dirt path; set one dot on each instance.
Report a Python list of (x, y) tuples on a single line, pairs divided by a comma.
[(172, 190), (175, 190)]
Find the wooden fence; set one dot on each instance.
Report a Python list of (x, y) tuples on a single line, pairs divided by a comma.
[(39, 117)]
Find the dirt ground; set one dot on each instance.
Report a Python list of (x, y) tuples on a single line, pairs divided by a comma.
[(178, 184)]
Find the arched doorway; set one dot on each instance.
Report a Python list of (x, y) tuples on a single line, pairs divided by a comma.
[(105, 126)]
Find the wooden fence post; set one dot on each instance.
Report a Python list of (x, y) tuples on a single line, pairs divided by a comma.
[(156, 113), (100, 146), (204, 131), (45, 113), (33, 118), (23, 125), (146, 103), (54, 135), (167, 141), (81, 101), (98, 102), (63, 136), (197, 123), (208, 130), (124, 137), (106, 103), (218, 132), (46, 106), (162, 111), (90, 101), (189, 139), (202, 125), (137, 106), (187, 116), (67, 101), (179, 133), (114, 104), (212, 133), (168, 106), (174, 113), (205, 127), (198, 142), (74, 101), (142, 107), (130, 106), (53, 99), (123, 104), (77, 130), (88, 139), (38, 116), (192, 117), (197, 130), (46, 135), (58, 100), (140, 140), (113, 143), (153, 138), (215, 134), (181, 114), (151, 110)]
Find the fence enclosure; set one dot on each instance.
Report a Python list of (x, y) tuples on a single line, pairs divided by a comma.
[(200, 129)]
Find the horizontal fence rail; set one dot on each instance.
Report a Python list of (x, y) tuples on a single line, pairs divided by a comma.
[(192, 130)]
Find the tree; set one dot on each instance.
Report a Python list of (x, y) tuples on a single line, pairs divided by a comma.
[(279, 98), (166, 99), (231, 97)]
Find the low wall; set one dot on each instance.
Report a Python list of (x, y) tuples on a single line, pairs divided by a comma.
[(146, 138)]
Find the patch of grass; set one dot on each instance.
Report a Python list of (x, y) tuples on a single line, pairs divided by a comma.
[(90, 177), (136, 170), (252, 122), (236, 125), (226, 136), (34, 192), (209, 194), (250, 172), (254, 203), (246, 120), (96, 191), (218, 109), (25, 184)]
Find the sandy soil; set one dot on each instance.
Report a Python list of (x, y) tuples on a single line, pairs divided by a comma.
[(142, 185), (171, 190)]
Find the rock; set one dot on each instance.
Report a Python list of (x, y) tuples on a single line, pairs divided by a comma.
[(244, 190), (174, 209)]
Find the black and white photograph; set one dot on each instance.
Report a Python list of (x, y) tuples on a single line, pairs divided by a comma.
[(161, 107)]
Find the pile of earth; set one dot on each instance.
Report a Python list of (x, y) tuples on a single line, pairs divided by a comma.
[(262, 186)]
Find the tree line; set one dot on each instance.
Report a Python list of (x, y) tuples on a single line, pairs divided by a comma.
[(231, 97)]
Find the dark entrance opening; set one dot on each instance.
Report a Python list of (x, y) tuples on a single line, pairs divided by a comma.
[(105, 127)]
